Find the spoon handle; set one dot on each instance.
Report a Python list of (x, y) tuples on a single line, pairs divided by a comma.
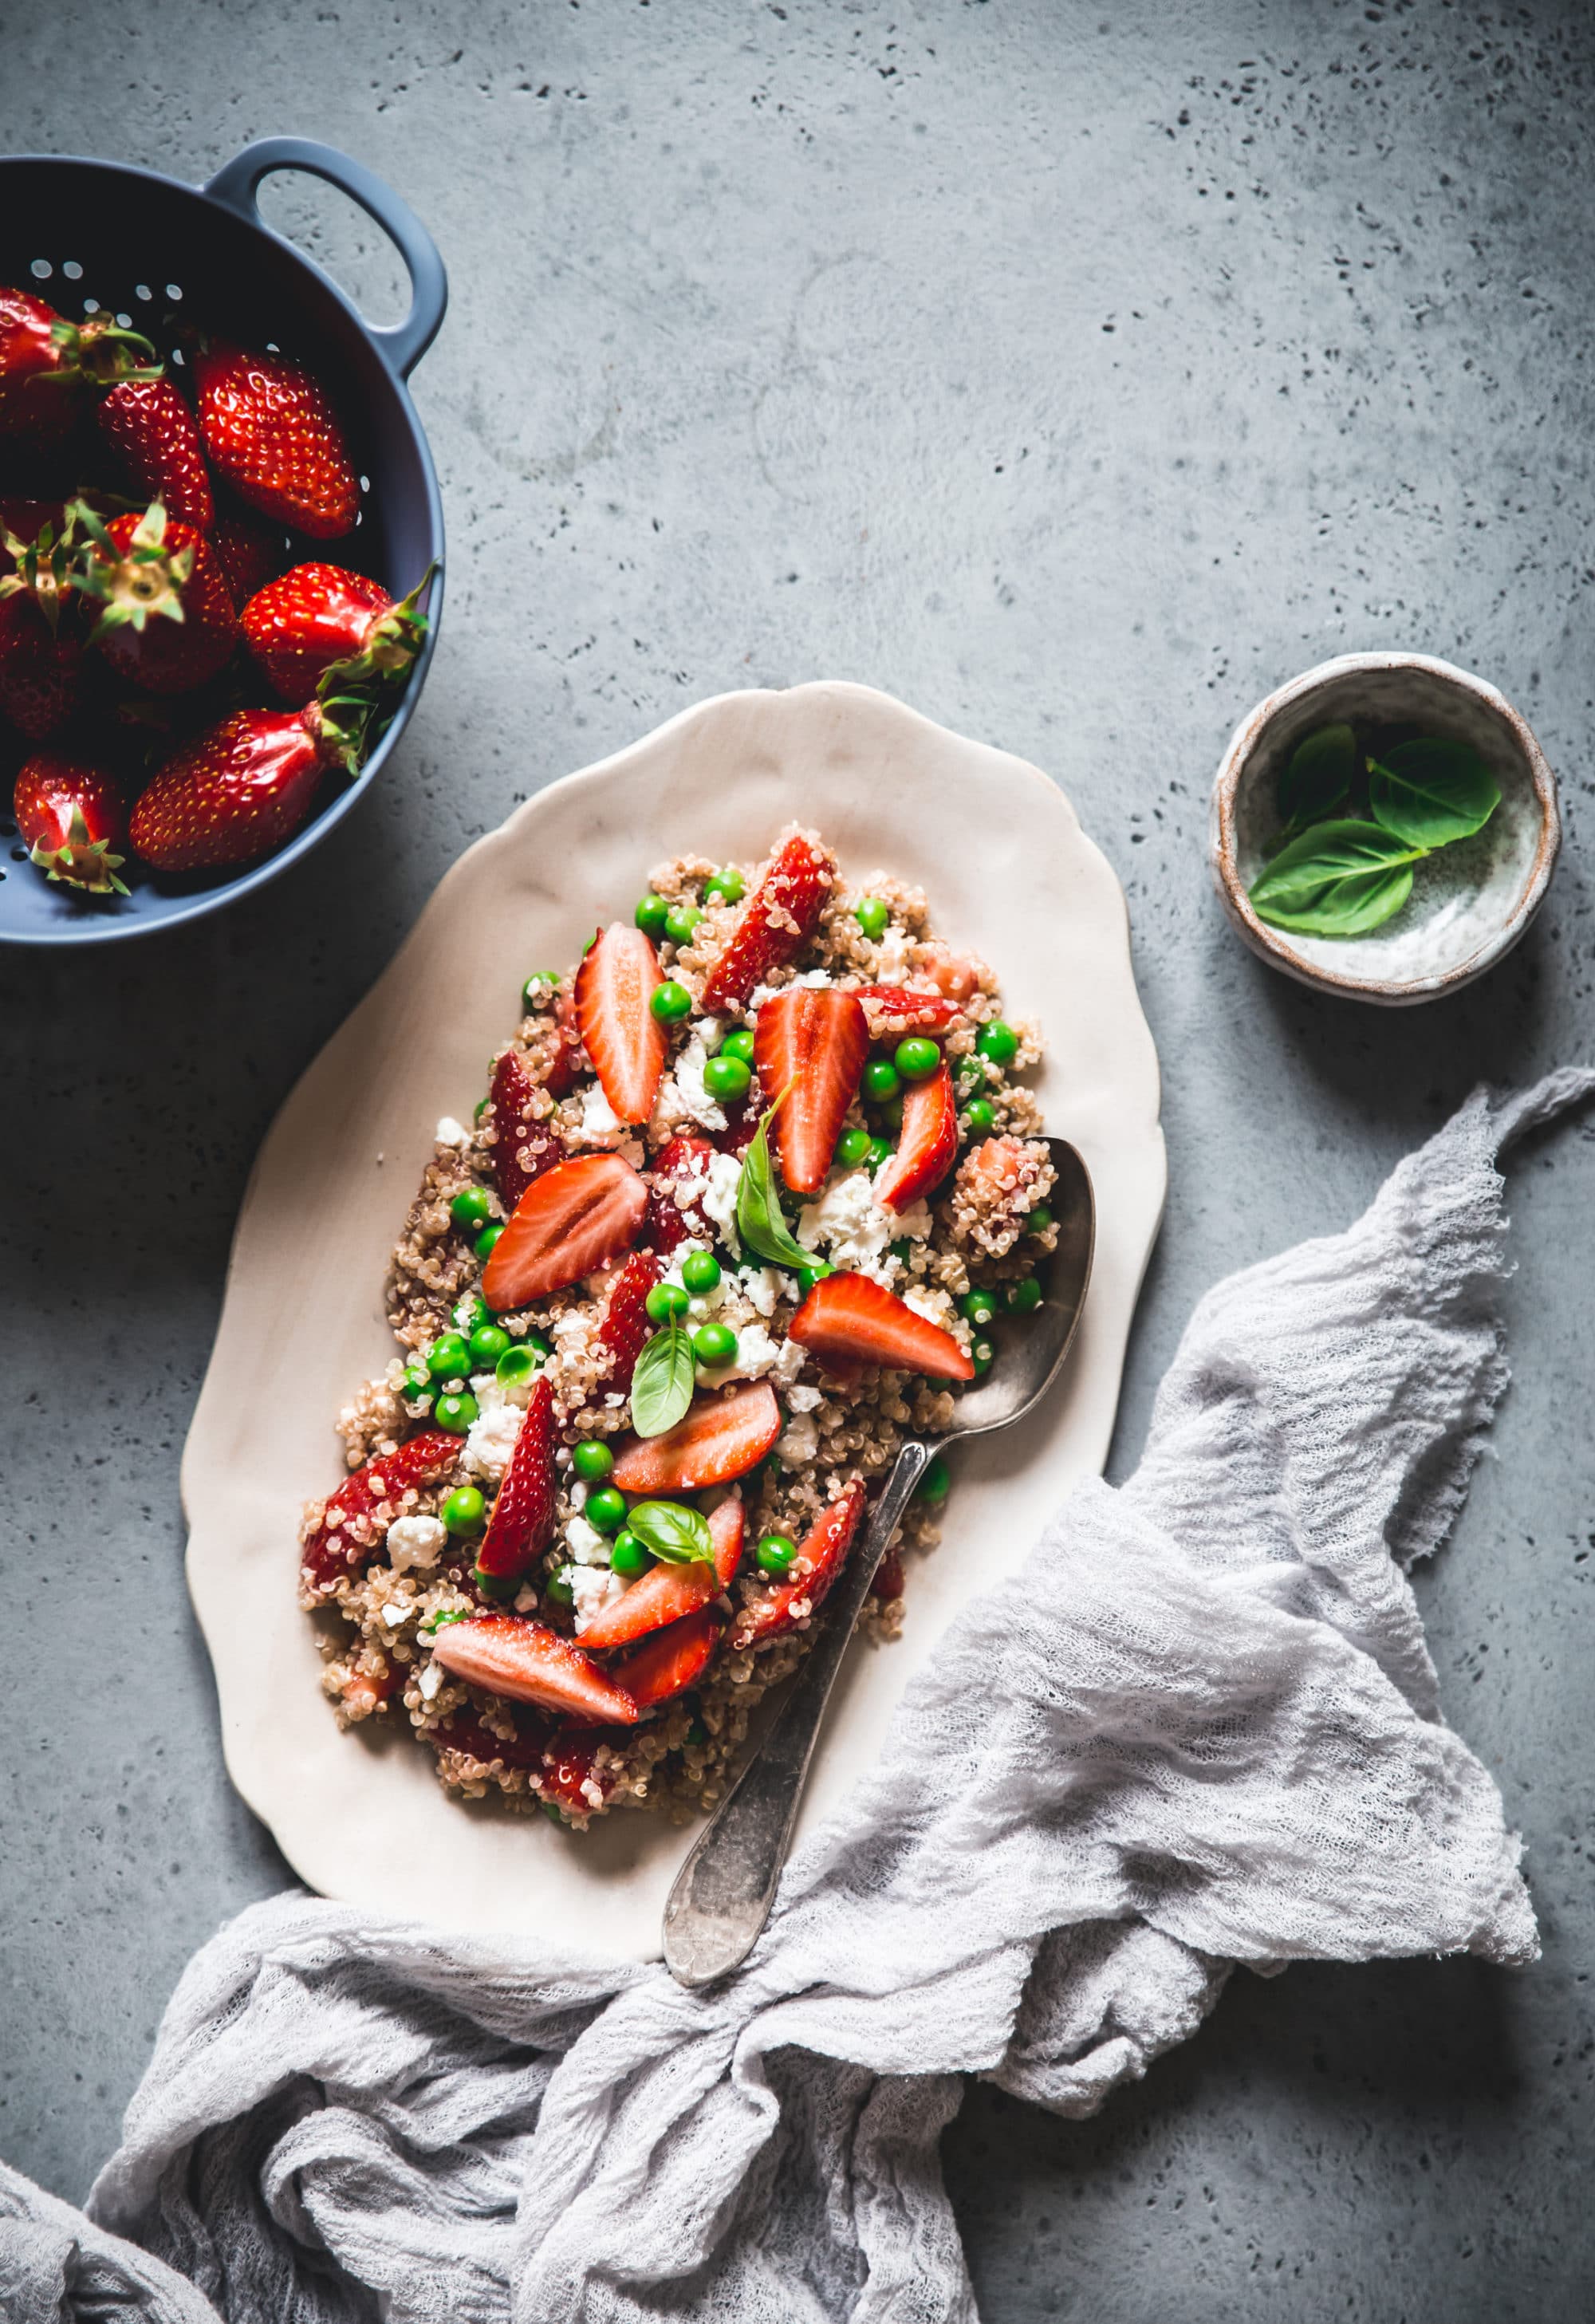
[(724, 1890)]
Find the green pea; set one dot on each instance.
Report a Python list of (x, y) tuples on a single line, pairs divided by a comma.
[(471, 1313), (463, 1511), (520, 1361), (969, 1075), (449, 1358), (681, 921), (1039, 1220), (627, 1555), (715, 1344), (775, 1554), (852, 1148), (605, 1508), (470, 1209), (538, 986), (653, 912), (872, 915), (487, 1240), (891, 1113), (495, 1585), (727, 1078), (979, 1117), (700, 1271), (880, 1152), (738, 1044), (726, 886), (455, 1413), (883, 1080), (977, 1307), (479, 1109), (666, 1303), (807, 1277), (418, 1381), (489, 1341), (902, 1251), (556, 1590), (983, 1355), (916, 1058), (933, 1486), (997, 1041), (671, 1002), (697, 1733), (1023, 1299), (592, 1460)]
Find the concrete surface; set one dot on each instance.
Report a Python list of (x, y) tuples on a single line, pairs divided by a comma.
[(1076, 374)]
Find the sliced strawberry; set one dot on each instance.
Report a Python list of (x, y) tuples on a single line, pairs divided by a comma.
[(926, 1143), (619, 1030), (507, 1654), (742, 1127), (680, 1162), (565, 1063), (851, 1316), (777, 921), (569, 1769), (671, 1661), (809, 1045), (719, 1440), (576, 1217), (521, 1524), (626, 1324), (892, 1010), (958, 974), (464, 1733), (818, 1562), (667, 1593), (349, 1531), (889, 1576), (523, 1147)]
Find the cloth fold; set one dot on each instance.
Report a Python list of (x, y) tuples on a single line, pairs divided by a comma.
[(1201, 1727)]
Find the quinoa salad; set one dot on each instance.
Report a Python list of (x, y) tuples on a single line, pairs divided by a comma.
[(744, 1193)]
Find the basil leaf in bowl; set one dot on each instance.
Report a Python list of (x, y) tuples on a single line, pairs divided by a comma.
[(1338, 880), (1430, 792)]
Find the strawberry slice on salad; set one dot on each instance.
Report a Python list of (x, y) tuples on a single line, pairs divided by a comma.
[(777, 921), (670, 1661), (576, 1217), (893, 1009), (508, 1654), (927, 1144), (820, 1559), (521, 1524), (626, 1324), (620, 1032), (349, 1529), (681, 1162), (667, 1593), (809, 1046), (719, 1440), (852, 1318), (523, 1146), (569, 1769)]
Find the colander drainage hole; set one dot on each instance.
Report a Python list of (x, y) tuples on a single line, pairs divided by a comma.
[(19, 854), (41, 269), (174, 290), (7, 829), (142, 291), (72, 270)]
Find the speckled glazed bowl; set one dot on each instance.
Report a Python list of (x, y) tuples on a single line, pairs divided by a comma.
[(1470, 904)]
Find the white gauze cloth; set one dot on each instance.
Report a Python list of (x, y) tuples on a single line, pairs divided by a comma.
[(1201, 1727)]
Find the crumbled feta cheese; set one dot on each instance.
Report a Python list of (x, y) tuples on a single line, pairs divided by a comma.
[(935, 1305), (600, 1125), (451, 1133), (756, 1354), (790, 1361), (723, 1175), (578, 1494), (848, 1218), (397, 1612), (430, 1681), (763, 1286), (913, 1224), (585, 1544), (800, 1440), (492, 1436), (803, 1398), (592, 1589), (415, 1542), (688, 1077), (525, 1599), (892, 963)]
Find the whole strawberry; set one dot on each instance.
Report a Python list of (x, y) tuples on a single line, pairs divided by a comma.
[(245, 787), (70, 816), (41, 639), (46, 363), (248, 553), (319, 617), (152, 431), (272, 435), (166, 623)]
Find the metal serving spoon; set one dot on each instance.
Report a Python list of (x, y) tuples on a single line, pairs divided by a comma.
[(724, 1890)]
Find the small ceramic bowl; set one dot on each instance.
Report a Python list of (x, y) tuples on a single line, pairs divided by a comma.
[(1470, 904)]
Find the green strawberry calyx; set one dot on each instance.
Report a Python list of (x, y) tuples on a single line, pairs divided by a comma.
[(81, 861), (136, 586)]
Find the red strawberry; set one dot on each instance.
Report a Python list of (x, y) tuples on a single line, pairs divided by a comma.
[(565, 1060), (926, 1143), (893, 1010), (41, 644), (719, 1440), (242, 788), (365, 1691), (349, 1531), (272, 435), (521, 1524), (742, 1127), (619, 1030), (777, 921), (149, 425), (999, 1172), (809, 1045), (851, 1317), (889, 1576), (507, 1654), (569, 1771), (670, 1661), (247, 554), (958, 974), (522, 1145), (576, 1217), (45, 361), (71, 816), (319, 617), (818, 1562), (166, 623), (666, 1593), (626, 1324), (524, 1748), (680, 1163)]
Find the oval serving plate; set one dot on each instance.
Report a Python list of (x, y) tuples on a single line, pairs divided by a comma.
[(1009, 872)]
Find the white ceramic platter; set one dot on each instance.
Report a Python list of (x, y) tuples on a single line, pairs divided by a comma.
[(1009, 873)]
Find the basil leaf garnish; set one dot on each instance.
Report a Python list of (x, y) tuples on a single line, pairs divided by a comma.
[(759, 1220), (1317, 781), (1337, 880), (663, 1381), (1429, 792), (675, 1533)]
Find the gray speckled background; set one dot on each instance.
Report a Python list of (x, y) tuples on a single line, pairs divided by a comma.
[(1076, 374)]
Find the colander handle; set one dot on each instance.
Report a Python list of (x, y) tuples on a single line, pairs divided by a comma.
[(238, 181)]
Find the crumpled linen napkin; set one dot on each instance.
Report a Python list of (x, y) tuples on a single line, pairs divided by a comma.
[(1201, 1728)]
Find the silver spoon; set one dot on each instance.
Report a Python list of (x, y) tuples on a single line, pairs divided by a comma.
[(724, 1890)]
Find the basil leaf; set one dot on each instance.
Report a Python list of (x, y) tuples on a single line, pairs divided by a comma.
[(1337, 880), (759, 1220), (675, 1532), (1430, 792), (663, 1381), (1318, 779)]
